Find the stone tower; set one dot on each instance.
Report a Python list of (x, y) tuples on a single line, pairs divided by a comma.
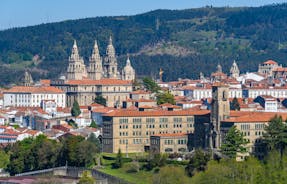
[(219, 68), (220, 110), (28, 80), (95, 69), (110, 63), (128, 72), (234, 70), (76, 69)]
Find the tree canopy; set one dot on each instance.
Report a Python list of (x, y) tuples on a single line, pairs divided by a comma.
[(75, 111), (101, 100), (150, 85), (165, 97), (276, 134), (234, 143), (42, 153)]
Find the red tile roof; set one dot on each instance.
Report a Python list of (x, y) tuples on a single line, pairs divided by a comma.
[(99, 82), (45, 82), (127, 113), (280, 69), (140, 92), (253, 117), (270, 62), (34, 89), (171, 135)]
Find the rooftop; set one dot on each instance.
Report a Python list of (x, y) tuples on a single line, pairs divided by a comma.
[(33, 89)]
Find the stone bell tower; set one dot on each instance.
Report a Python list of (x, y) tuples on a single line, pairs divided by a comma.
[(110, 63), (220, 110), (128, 72), (28, 80), (95, 69), (234, 70), (76, 69)]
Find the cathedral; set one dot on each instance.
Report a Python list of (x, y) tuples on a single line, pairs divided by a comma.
[(100, 78), (98, 68)]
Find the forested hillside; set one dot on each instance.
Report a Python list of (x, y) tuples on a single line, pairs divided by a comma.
[(182, 42)]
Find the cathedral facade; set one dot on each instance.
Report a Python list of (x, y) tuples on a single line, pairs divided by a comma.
[(100, 78), (98, 67)]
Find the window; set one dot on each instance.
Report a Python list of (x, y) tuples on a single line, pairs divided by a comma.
[(137, 120), (163, 120), (190, 119), (177, 120), (150, 120)]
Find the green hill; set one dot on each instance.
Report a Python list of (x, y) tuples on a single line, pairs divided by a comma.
[(182, 42)]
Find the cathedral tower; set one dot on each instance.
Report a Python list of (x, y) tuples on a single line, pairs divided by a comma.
[(110, 64), (234, 70), (219, 68), (128, 72), (76, 69), (95, 69), (220, 110), (28, 80)]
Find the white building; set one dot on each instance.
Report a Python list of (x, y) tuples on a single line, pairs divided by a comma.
[(276, 92), (32, 96)]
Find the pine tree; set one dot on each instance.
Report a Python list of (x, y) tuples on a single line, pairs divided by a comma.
[(119, 160), (75, 111), (150, 85), (93, 124), (276, 134), (234, 143)]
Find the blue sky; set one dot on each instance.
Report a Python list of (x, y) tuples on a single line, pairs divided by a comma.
[(15, 13)]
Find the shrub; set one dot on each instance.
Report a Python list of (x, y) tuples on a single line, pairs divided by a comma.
[(132, 167)]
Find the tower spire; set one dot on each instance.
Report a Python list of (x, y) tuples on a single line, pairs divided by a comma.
[(95, 69), (76, 69), (234, 70), (128, 73), (110, 64), (111, 40)]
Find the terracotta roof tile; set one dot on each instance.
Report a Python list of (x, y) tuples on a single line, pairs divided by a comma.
[(99, 82), (270, 62), (170, 135), (34, 89), (140, 92), (126, 113), (254, 117)]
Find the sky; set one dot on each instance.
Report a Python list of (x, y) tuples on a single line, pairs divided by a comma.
[(19, 13)]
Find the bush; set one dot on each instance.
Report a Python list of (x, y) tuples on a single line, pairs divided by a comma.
[(175, 162), (132, 167)]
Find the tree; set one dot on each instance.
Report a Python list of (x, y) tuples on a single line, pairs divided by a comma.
[(234, 143), (4, 161), (75, 111), (276, 134), (150, 85), (234, 104), (156, 160), (165, 97), (86, 178), (86, 152), (93, 124), (119, 160), (197, 163), (101, 100), (170, 175), (70, 145)]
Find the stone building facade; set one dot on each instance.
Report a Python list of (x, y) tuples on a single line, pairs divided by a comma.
[(130, 130), (100, 78)]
